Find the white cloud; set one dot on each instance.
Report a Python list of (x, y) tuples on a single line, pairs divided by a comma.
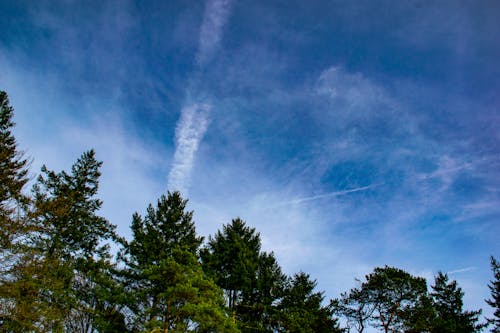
[(189, 132), (194, 118), (462, 270), (216, 14)]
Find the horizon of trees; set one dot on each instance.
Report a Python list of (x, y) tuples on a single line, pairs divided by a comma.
[(58, 274)]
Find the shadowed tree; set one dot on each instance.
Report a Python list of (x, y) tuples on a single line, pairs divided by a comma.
[(231, 258), (301, 308), (258, 310), (355, 307), (70, 229), (13, 178), (448, 304), (167, 287), (393, 294), (494, 301)]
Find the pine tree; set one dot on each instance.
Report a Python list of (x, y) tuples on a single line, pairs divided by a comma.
[(258, 310), (494, 302), (231, 258), (13, 178), (394, 294), (167, 287), (448, 304), (301, 308), (355, 307)]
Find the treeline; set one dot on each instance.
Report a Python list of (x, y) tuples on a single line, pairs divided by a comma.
[(57, 273)]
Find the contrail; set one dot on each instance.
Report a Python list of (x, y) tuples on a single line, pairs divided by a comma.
[(462, 270), (216, 14), (331, 194), (194, 118), (190, 129), (326, 195)]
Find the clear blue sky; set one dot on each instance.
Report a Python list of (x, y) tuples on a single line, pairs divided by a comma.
[(351, 134)]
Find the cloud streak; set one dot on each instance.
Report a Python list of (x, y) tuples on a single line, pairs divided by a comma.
[(328, 195), (194, 118), (216, 14), (190, 130), (462, 270)]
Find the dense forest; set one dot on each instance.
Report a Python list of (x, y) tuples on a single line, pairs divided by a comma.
[(58, 273)]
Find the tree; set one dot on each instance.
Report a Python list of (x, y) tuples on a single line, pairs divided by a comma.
[(63, 259), (355, 307), (167, 287), (494, 302), (66, 211), (258, 310), (13, 178), (448, 303), (70, 229), (231, 258), (394, 294), (301, 308)]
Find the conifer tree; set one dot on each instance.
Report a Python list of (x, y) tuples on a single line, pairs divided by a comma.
[(301, 308), (494, 301), (167, 286), (448, 304), (70, 229), (13, 178), (231, 258)]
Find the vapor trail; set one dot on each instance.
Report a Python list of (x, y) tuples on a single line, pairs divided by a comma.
[(195, 116), (328, 195), (190, 129)]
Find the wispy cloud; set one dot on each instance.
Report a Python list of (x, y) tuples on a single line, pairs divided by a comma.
[(194, 118), (462, 270), (216, 14), (329, 195), (189, 132)]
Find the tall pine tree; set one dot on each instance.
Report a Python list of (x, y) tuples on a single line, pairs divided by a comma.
[(448, 303), (301, 308), (494, 301), (13, 178), (167, 286)]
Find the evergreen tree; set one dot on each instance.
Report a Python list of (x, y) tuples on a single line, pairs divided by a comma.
[(448, 304), (63, 258), (258, 310), (231, 258), (494, 302), (301, 308), (13, 178), (167, 287), (70, 230)]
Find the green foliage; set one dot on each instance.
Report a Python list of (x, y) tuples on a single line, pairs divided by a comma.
[(390, 299), (494, 301), (66, 210), (231, 258), (167, 286), (447, 298), (356, 307), (301, 308), (394, 293), (13, 178), (258, 310), (13, 168)]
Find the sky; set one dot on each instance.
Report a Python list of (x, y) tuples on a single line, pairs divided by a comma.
[(350, 134)]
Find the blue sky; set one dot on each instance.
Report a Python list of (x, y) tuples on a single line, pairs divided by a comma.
[(351, 134)]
